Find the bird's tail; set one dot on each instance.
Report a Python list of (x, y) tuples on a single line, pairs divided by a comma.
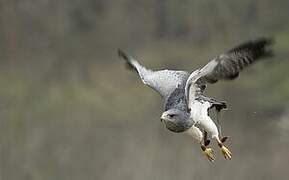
[(220, 105)]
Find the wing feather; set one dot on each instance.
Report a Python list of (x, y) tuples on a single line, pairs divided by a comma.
[(228, 66), (163, 81)]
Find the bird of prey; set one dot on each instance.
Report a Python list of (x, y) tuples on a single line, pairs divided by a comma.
[(186, 107)]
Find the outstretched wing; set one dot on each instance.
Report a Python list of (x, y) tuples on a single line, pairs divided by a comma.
[(227, 66), (163, 81)]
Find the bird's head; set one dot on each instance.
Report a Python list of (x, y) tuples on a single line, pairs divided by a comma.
[(176, 120)]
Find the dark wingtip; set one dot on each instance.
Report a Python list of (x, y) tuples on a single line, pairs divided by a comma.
[(122, 54), (263, 41), (266, 44), (259, 48), (269, 40)]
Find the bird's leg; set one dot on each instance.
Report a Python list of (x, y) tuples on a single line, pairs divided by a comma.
[(222, 138), (225, 151), (202, 138), (218, 122), (208, 152)]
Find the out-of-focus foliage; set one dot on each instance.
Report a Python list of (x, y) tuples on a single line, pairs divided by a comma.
[(70, 110)]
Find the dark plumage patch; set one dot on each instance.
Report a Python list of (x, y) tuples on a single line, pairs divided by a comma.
[(218, 105), (207, 142), (256, 48), (123, 55)]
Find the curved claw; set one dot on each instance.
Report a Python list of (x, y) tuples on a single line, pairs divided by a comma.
[(226, 152), (209, 153)]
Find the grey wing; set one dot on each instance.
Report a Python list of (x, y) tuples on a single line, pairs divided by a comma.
[(163, 81), (228, 66)]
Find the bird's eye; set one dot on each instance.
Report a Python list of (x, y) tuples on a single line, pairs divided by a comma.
[(172, 115)]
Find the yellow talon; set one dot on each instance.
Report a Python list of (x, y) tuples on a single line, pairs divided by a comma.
[(209, 153), (226, 152)]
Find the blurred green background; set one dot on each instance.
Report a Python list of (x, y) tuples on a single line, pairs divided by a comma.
[(69, 110)]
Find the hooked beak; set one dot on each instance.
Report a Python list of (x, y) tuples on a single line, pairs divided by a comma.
[(163, 117)]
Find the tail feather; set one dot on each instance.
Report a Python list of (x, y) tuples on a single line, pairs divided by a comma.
[(220, 105)]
